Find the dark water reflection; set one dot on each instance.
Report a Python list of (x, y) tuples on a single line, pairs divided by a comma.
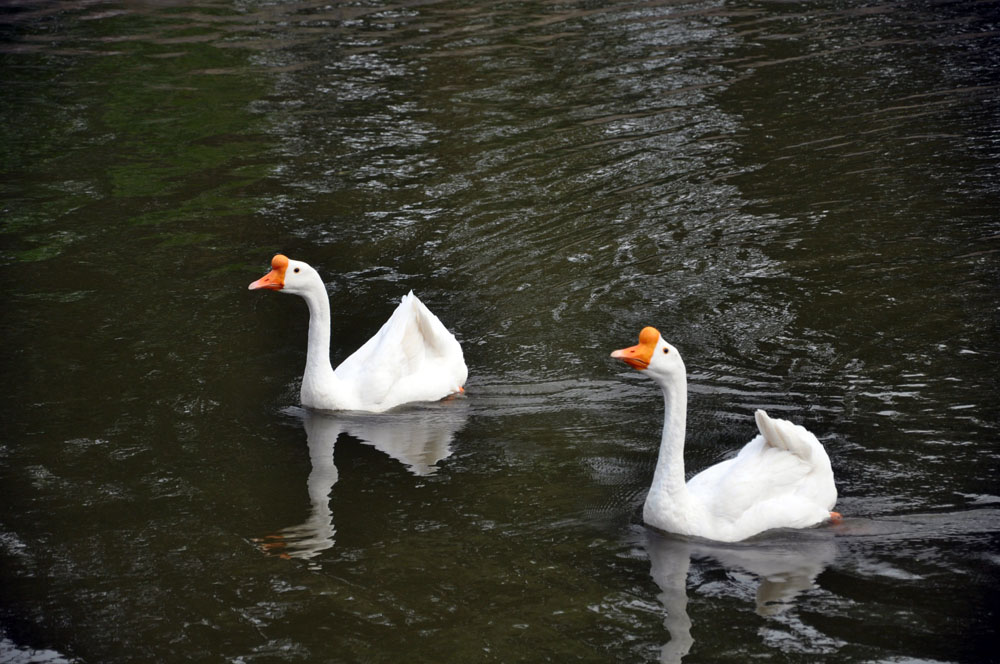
[(803, 198), (783, 566), (418, 437)]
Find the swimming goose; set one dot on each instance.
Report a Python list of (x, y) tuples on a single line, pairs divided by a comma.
[(780, 479), (413, 357)]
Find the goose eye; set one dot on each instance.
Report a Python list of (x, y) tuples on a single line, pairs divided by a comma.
[(296, 270), (665, 350)]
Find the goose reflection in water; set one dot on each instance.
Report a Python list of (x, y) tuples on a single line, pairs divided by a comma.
[(787, 563), (418, 437)]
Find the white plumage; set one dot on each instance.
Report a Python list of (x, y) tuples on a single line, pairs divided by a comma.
[(780, 479), (412, 357)]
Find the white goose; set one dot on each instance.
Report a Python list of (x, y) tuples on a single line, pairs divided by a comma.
[(413, 357), (780, 479)]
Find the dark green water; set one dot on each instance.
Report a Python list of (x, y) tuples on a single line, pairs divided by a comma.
[(803, 197)]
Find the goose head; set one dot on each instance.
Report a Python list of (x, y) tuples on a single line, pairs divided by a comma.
[(288, 276), (653, 355)]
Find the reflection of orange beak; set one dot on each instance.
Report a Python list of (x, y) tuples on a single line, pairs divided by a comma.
[(273, 545), (638, 356), (275, 279)]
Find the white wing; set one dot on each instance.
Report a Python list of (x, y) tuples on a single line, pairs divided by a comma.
[(412, 357), (779, 474)]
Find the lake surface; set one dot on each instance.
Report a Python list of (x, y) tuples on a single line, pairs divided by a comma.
[(803, 198)]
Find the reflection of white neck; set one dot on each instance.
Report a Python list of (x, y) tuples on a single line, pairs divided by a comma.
[(669, 491), (318, 376), (322, 440), (669, 564), (316, 534)]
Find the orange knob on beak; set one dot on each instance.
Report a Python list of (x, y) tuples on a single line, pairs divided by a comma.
[(275, 279), (639, 356)]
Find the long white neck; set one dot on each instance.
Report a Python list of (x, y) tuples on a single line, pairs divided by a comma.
[(668, 479), (318, 378)]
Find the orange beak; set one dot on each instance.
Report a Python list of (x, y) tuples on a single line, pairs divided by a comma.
[(275, 279), (638, 356)]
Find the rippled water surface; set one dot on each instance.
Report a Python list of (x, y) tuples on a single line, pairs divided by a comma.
[(803, 197)]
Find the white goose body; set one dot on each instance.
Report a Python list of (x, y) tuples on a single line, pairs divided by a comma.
[(780, 479), (413, 357)]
